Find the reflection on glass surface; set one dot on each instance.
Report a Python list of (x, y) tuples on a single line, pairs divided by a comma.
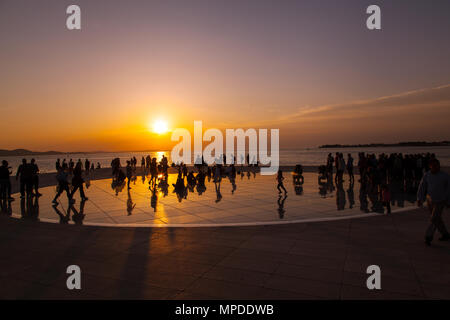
[(215, 196)]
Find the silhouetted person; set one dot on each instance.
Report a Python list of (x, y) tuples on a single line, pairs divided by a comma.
[(280, 179), (87, 165), (25, 173), (350, 167), (180, 188), (340, 167), (418, 172), (184, 169), (115, 166), (64, 165), (201, 187), (191, 179), (35, 177), (330, 161), (63, 185), (362, 166), (153, 165), (5, 182), (71, 165), (77, 182), (148, 159), (164, 164), (129, 172), (58, 164), (435, 190)]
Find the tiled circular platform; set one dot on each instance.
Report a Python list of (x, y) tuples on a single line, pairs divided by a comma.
[(255, 201)]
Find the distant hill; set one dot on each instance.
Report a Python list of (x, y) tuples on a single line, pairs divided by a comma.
[(399, 144), (25, 152)]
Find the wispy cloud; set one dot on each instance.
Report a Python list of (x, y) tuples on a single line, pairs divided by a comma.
[(429, 98), (420, 114)]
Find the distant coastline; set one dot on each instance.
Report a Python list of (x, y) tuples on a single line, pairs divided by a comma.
[(399, 144), (25, 152)]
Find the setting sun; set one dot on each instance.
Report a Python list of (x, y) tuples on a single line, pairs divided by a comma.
[(160, 126)]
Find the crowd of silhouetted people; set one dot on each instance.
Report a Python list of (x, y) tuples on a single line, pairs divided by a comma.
[(188, 179), (385, 180), (69, 166), (28, 176)]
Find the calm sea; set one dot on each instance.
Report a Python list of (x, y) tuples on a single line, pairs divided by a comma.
[(306, 157)]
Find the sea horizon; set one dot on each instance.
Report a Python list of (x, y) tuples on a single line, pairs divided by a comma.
[(288, 157)]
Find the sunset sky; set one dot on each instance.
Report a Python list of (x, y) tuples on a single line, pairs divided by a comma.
[(310, 68)]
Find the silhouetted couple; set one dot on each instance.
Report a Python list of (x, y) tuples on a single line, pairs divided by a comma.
[(29, 179), (77, 183)]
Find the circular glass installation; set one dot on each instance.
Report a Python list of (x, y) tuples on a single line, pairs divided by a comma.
[(250, 199)]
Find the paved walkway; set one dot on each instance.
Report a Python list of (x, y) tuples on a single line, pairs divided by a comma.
[(322, 260)]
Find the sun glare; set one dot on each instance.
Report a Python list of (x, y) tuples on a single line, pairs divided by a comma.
[(160, 126)]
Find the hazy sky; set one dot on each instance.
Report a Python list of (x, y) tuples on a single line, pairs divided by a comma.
[(310, 68)]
